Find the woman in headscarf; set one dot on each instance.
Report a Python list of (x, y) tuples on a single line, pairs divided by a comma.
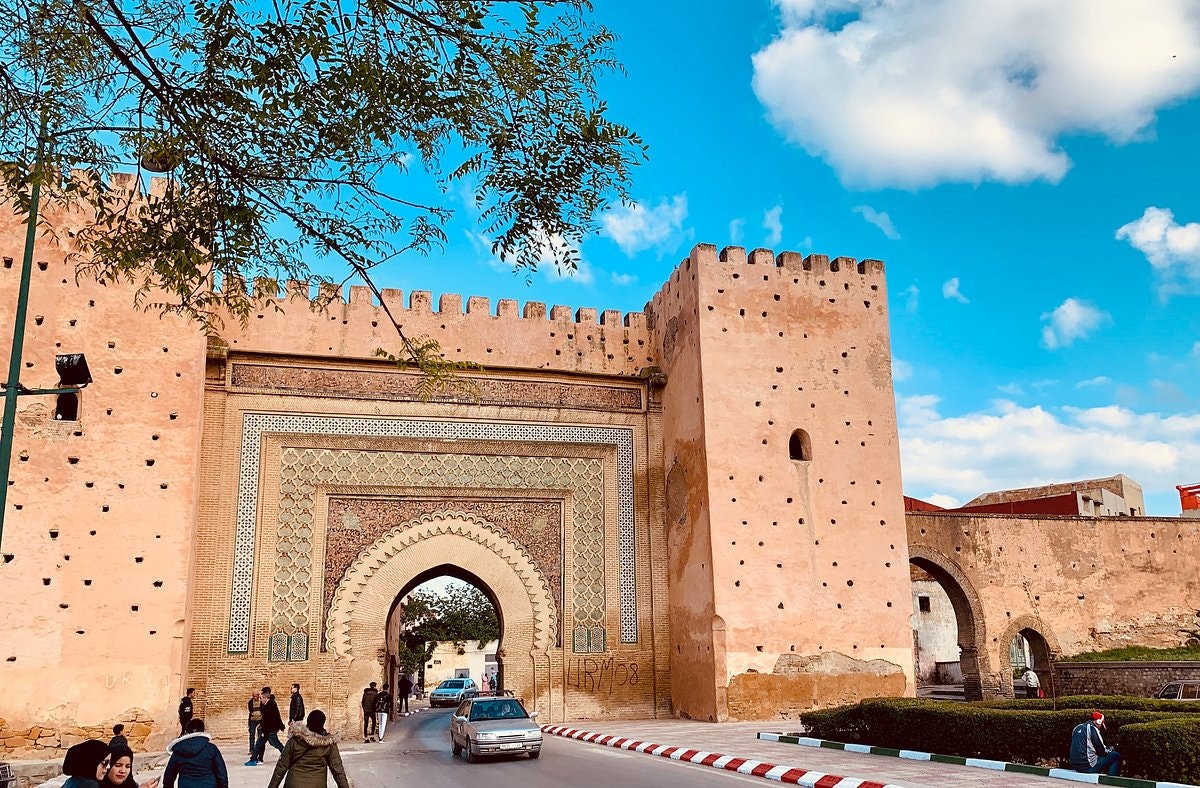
[(86, 764), (120, 771), (310, 754)]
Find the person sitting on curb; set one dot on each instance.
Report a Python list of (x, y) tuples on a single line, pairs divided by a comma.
[(1088, 751)]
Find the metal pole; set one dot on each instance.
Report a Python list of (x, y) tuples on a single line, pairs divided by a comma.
[(11, 391)]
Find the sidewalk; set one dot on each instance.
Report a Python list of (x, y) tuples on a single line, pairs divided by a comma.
[(739, 740)]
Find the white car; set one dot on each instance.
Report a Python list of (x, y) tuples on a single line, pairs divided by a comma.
[(452, 692), (494, 726)]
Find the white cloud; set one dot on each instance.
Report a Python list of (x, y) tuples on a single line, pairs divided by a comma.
[(901, 370), (636, 228), (622, 280), (736, 229), (880, 219), (1173, 249), (1009, 446), (944, 501), (912, 298), (1011, 389), (773, 225), (1071, 320), (1099, 380), (950, 290), (918, 92)]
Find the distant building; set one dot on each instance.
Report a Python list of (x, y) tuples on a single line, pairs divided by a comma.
[(1113, 496)]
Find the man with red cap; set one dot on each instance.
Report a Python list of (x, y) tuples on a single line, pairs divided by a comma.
[(1088, 751)]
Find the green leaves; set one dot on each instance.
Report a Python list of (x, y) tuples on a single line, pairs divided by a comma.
[(300, 131), (462, 613)]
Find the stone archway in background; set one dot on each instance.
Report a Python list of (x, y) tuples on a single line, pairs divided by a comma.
[(1043, 647), (366, 595), (978, 680)]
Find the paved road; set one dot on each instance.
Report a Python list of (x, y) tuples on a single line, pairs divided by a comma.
[(418, 753)]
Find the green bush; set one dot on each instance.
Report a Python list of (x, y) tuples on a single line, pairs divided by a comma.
[(1020, 735), (1138, 654), (1162, 750), (1096, 702)]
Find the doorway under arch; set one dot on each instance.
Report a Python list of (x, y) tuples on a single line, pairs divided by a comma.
[(417, 551), (1043, 652), (978, 680)]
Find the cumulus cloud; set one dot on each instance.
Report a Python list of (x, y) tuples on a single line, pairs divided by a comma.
[(736, 230), (551, 250), (1099, 380), (773, 225), (912, 298), (880, 219), (1008, 446), (950, 290), (901, 370), (918, 92), (1173, 249), (1071, 320), (622, 280), (635, 227)]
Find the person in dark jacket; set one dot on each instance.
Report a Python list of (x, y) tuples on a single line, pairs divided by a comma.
[(368, 709), (1089, 754), (311, 753), (383, 710), (296, 710), (404, 688), (253, 719), (268, 728), (118, 739), (86, 764), (195, 761), (186, 710), (120, 772)]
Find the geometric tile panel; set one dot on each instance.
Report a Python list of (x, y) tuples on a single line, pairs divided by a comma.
[(255, 424), (279, 649)]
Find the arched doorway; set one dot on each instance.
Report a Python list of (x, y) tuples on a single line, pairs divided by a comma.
[(1034, 645), (977, 678), (415, 551)]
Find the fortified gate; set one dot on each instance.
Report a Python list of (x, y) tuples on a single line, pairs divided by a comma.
[(691, 511)]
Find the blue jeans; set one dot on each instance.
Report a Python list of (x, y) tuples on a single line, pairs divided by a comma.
[(260, 747), (253, 726), (1109, 764)]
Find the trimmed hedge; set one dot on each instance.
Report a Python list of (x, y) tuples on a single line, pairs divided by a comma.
[(1137, 654), (1101, 702), (1019, 735)]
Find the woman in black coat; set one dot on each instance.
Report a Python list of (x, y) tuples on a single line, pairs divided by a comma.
[(86, 764)]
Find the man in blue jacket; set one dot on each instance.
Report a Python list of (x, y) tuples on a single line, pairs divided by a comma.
[(1088, 751)]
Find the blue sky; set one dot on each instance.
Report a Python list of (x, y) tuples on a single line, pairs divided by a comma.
[(1027, 171)]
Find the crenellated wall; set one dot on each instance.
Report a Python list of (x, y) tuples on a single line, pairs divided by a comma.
[(808, 557)]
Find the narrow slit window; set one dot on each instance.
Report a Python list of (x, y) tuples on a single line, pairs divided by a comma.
[(800, 446)]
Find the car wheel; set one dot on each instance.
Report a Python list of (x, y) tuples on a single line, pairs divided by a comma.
[(472, 756), (533, 756)]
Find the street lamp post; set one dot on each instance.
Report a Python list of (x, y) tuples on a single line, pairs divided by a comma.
[(13, 387)]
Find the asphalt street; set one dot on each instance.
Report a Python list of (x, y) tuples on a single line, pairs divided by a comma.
[(417, 752)]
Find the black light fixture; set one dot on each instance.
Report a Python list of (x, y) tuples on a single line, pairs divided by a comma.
[(72, 370)]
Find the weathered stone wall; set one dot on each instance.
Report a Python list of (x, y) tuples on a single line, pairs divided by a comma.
[(98, 530), (1083, 584), (1141, 679), (808, 556)]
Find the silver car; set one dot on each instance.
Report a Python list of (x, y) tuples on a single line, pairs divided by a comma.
[(494, 726), (452, 692)]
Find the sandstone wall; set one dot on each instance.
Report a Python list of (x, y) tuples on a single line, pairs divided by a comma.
[(98, 530), (809, 555), (1140, 679)]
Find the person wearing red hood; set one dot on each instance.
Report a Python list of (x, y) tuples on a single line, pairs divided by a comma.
[(195, 761), (1089, 754)]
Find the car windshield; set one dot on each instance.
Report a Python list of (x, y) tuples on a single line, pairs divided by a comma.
[(497, 710), (451, 684)]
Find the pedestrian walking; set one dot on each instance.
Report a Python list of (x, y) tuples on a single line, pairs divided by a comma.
[(268, 728), (195, 761), (1033, 687), (296, 710), (86, 764), (368, 709), (120, 771), (404, 688), (1089, 754), (310, 755), (383, 710), (485, 684), (186, 710), (253, 719)]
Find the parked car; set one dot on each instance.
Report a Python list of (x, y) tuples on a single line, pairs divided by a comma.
[(1180, 690), (494, 726), (452, 692), (7, 778)]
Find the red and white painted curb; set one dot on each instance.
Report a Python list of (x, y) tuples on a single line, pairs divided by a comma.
[(780, 773)]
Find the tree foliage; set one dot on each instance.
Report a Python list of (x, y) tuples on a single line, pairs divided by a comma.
[(299, 130), (462, 613)]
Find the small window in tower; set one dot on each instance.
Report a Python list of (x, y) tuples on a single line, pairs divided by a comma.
[(800, 446), (923, 604), (67, 408)]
